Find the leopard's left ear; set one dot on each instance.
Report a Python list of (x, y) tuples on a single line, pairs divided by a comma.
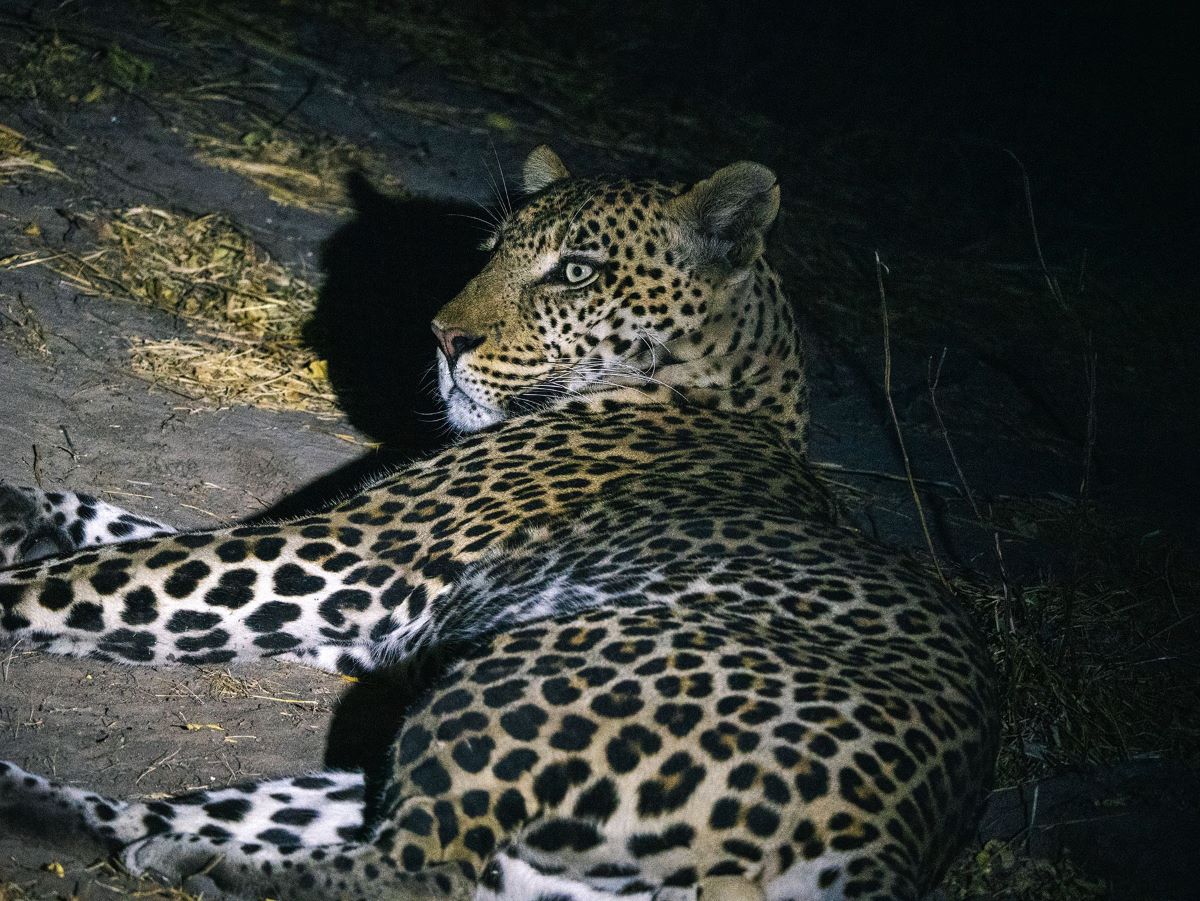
[(725, 218), (542, 167)]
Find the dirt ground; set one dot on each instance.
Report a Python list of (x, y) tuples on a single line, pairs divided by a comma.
[(118, 126)]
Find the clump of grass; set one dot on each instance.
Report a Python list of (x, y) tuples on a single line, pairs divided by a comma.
[(230, 376), (203, 268), (50, 70), (1091, 663), (247, 308), (17, 158), (305, 171), (21, 326), (222, 684), (127, 70), (1000, 873)]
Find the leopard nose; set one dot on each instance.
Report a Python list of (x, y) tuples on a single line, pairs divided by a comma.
[(455, 342)]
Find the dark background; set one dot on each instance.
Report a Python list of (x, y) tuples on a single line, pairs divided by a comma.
[(1094, 97)]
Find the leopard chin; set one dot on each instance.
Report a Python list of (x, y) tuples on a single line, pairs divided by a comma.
[(463, 413)]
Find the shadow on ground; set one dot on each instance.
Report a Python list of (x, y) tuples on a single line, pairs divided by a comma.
[(387, 272)]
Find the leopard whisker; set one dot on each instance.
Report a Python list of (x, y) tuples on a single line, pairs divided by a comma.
[(508, 207), (488, 225)]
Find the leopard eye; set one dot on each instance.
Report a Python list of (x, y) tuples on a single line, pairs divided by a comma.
[(578, 274)]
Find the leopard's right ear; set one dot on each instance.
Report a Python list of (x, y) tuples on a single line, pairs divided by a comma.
[(542, 168)]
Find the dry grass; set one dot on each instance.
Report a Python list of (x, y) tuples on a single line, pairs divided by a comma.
[(20, 326), (49, 70), (143, 888), (306, 171), (572, 94), (1095, 668), (231, 376), (247, 308), (202, 268), (52, 71), (222, 684), (17, 158)]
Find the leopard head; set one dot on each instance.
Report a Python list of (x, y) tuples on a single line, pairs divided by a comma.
[(635, 291)]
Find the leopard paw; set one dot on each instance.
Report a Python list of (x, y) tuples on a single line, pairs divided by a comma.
[(30, 526)]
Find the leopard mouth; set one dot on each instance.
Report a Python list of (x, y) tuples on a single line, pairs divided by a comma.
[(464, 412)]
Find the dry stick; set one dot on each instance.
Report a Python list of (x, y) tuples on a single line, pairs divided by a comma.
[(37, 466), (932, 378), (1080, 503), (1089, 447), (887, 393), (881, 474), (1051, 282)]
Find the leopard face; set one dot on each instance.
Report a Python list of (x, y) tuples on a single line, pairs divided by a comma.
[(637, 286)]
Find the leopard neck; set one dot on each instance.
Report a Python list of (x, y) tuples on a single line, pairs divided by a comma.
[(751, 361)]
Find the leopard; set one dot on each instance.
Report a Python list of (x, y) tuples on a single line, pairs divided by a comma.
[(668, 668)]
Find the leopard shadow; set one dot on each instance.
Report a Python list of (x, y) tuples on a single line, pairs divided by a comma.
[(388, 270)]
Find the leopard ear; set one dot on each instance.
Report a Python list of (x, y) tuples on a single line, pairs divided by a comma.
[(542, 167), (724, 219)]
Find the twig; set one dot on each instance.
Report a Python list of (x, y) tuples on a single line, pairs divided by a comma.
[(12, 652), (37, 466), (309, 86), (932, 377), (1032, 816), (1089, 447), (1004, 585), (1051, 282), (202, 510), (286, 700), (154, 766), (147, 497), (881, 474), (887, 393)]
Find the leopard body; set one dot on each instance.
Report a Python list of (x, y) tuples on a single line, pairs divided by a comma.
[(671, 672)]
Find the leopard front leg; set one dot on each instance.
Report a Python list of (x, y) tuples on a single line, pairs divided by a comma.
[(348, 591), (312, 590), (36, 523)]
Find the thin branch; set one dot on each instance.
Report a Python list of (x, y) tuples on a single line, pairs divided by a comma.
[(1089, 447), (932, 377), (887, 393), (1051, 282)]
